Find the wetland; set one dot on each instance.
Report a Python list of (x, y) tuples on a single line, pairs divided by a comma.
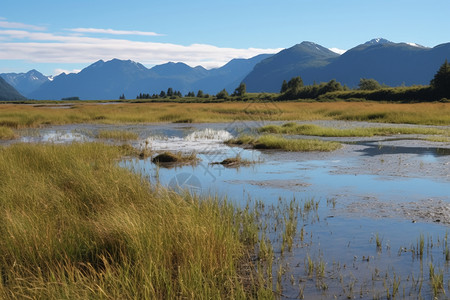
[(368, 219)]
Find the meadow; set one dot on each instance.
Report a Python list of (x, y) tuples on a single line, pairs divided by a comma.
[(17, 116)]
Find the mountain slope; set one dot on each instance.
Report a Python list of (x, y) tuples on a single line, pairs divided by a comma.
[(300, 60), (390, 63), (8, 92), (387, 62), (25, 83), (108, 80), (101, 80), (228, 76)]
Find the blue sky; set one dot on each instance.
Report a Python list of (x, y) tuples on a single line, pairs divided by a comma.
[(63, 35)]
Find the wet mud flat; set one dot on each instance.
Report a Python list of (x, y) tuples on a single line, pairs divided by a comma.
[(370, 219)]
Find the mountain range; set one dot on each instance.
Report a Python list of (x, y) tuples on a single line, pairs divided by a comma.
[(387, 62)]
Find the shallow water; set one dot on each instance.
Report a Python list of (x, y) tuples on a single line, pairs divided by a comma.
[(392, 188)]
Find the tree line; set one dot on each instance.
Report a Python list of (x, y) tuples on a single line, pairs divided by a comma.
[(369, 89), (173, 94), (294, 89)]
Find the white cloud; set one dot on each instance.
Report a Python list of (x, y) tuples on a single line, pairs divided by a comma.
[(43, 47), (14, 25), (60, 71), (338, 51), (114, 32)]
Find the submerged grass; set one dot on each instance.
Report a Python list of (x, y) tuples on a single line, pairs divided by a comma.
[(74, 225), (25, 116), (315, 130), (281, 143)]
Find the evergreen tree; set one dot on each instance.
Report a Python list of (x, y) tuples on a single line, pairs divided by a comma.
[(295, 84), (240, 90), (200, 94), (223, 94), (441, 81), (162, 94), (284, 87), (169, 92)]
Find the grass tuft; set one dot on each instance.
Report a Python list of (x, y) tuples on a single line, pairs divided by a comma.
[(234, 162), (175, 158)]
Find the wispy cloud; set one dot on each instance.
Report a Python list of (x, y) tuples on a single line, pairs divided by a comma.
[(45, 47), (14, 25), (114, 32)]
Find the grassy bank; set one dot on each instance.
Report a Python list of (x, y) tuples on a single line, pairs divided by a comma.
[(76, 226), (315, 130), (25, 116), (281, 143)]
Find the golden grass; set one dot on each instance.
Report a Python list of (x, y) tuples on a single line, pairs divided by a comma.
[(120, 135), (281, 143), (23, 116), (315, 130), (74, 225), (439, 139)]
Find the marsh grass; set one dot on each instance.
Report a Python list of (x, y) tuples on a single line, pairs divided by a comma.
[(439, 139), (315, 130), (234, 162), (120, 135), (281, 143), (28, 116), (7, 133), (74, 225), (436, 281)]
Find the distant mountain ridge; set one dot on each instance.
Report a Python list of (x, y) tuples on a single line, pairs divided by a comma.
[(387, 62), (26, 83), (110, 79), (8, 92)]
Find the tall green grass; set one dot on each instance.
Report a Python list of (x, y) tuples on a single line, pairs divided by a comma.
[(74, 225), (315, 130), (281, 143)]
